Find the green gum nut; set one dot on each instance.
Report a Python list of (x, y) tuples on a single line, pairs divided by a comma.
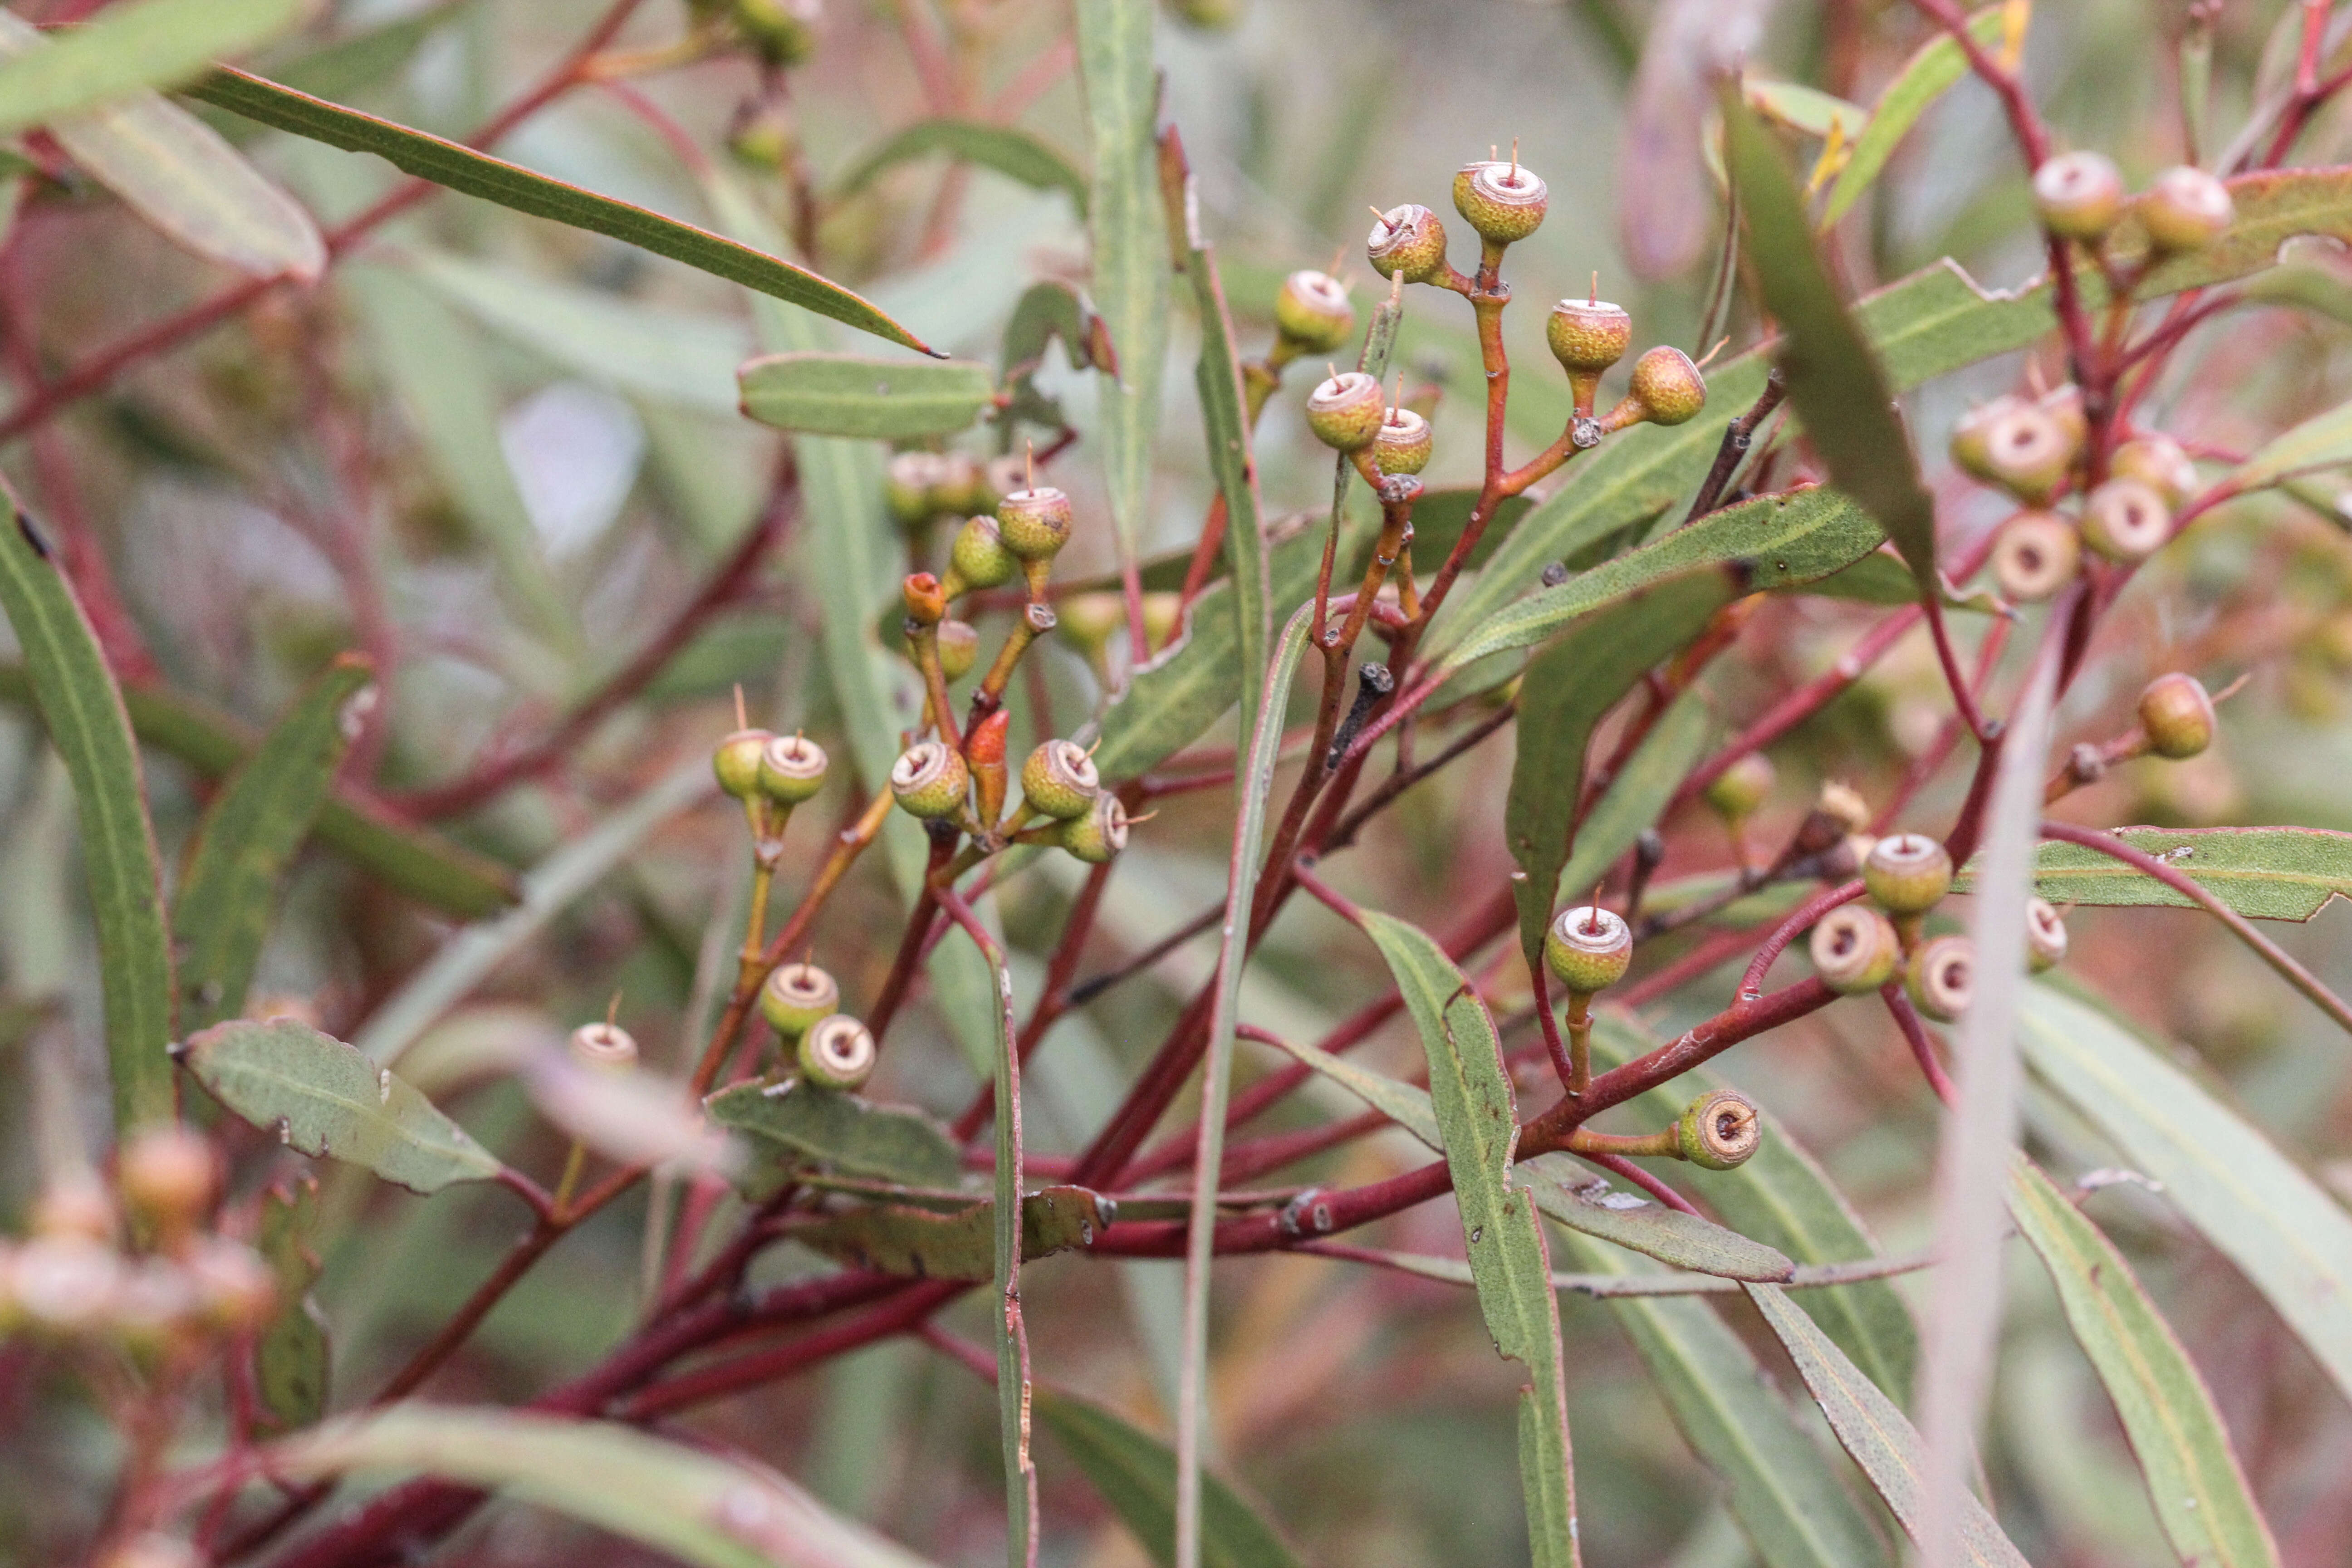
[(1854, 949), (792, 769), (796, 995), (2037, 553), (1059, 780), (1588, 336), (2063, 402), (2126, 520), (2186, 210), (1034, 524), (910, 487), (2028, 453), (1907, 873), (1407, 242), (1740, 789), (978, 559), (931, 780), (2158, 460), (959, 648), (602, 1045), (1345, 411), (1098, 835), (1719, 1130), (2079, 196), (1402, 445), (1312, 312), (783, 31), (838, 1053), (2177, 715), (2046, 935), (1588, 948), (1971, 445), (1942, 977), (736, 761), (1503, 201)]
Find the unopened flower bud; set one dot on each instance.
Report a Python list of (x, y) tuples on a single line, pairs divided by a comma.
[(978, 558), (1740, 789), (1034, 524), (1854, 949), (2037, 553), (910, 487), (838, 1053), (1312, 312), (1402, 445), (602, 1045), (931, 780), (1504, 201), (737, 762), (2046, 935), (1409, 242), (1667, 389), (1907, 873), (1719, 1130), (2079, 196), (1345, 411), (792, 769), (1098, 835), (796, 995), (1942, 977), (2177, 715), (168, 1176), (2126, 520), (1059, 780), (2186, 210), (1588, 948)]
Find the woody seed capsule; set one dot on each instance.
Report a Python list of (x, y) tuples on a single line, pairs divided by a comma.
[(602, 1044), (2046, 935), (2177, 715), (1312, 312), (1402, 446), (796, 995), (1504, 201), (1971, 445), (2028, 453), (2037, 553), (2186, 210), (1409, 242), (1345, 411), (931, 780), (1942, 977), (792, 769), (1034, 524), (737, 762), (838, 1053), (1098, 835), (1854, 949), (2079, 196), (1588, 948), (1719, 1130), (1059, 780), (2126, 520), (978, 558), (1907, 873), (2157, 460)]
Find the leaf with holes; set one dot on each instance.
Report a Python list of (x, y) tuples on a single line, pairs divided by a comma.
[(925, 1244)]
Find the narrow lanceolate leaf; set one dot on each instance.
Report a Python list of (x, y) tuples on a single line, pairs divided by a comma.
[(686, 1504), (461, 169), (2264, 873), (1875, 1432), (1008, 150), (2184, 1451), (83, 713), (289, 1353), (183, 177), (323, 1097), (220, 913), (1635, 797), (871, 399), (1127, 228), (1834, 381), (796, 1126), (1509, 1258), (900, 1239), (1568, 689), (1135, 1473), (1055, 1218), (1793, 1508), (1773, 542), (1048, 311), (154, 43), (1925, 77), (2289, 1238), (2322, 441)]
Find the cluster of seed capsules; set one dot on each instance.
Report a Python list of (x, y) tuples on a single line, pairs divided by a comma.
[(135, 1265), (2037, 448)]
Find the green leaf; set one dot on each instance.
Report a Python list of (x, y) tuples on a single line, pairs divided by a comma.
[(1641, 791), (2289, 1238), (898, 1239), (182, 177), (2264, 873), (1568, 688), (1470, 1094), (83, 712), (1791, 1504), (1011, 151), (2183, 1449), (148, 44), (809, 1126), (1875, 1432), (1806, 110), (1927, 75), (1773, 542), (289, 1354), (1835, 384), (872, 399), (221, 912), (1127, 228), (1048, 311), (1135, 1473), (2322, 441), (696, 1507), (511, 185), (323, 1097)]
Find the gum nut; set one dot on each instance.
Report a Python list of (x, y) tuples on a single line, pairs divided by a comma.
[(2027, 454), (168, 1175), (1504, 201), (2186, 210), (782, 31), (234, 1287), (156, 1300), (1588, 948), (1000, 477), (2126, 520), (1740, 788), (1090, 620), (1407, 242), (911, 485), (1843, 804), (2177, 715), (1907, 873), (1097, 837), (838, 1053), (963, 485), (792, 769), (737, 762), (1160, 611), (2063, 402), (1312, 311), (796, 995), (1942, 977), (929, 780), (1971, 445), (1345, 411), (1402, 445), (601, 1044), (1587, 335), (65, 1283), (2158, 461), (1059, 780), (1668, 386), (2037, 553), (1854, 949), (1034, 524), (959, 648), (978, 558), (2046, 935), (1719, 1130), (2079, 194)]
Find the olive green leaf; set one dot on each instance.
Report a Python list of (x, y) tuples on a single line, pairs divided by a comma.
[(2289, 1238), (461, 169), (2264, 873), (698, 1507), (870, 399), (1010, 150), (1875, 1432), (323, 1097), (289, 1354), (1806, 110), (1053, 310), (148, 44), (1470, 1097), (795, 1125), (2322, 441), (1568, 688), (1931, 71), (84, 715), (221, 910), (2176, 1435), (1640, 792), (1135, 1473), (900, 1239)]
